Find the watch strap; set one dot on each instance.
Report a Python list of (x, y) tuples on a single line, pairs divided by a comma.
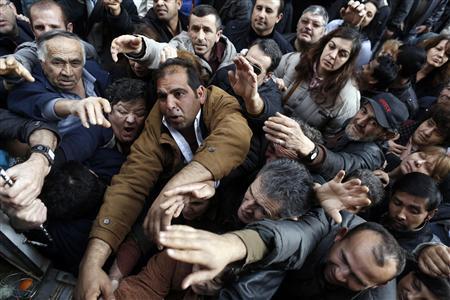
[(46, 151)]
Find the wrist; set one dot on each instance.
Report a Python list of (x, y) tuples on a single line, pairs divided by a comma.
[(307, 146), (40, 162), (237, 250)]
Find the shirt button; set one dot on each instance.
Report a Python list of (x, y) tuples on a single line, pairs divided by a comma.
[(211, 149), (106, 221)]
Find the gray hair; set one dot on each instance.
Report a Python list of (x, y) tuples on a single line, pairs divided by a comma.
[(317, 10), (290, 184), (47, 36)]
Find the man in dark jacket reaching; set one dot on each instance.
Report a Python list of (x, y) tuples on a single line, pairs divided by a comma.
[(355, 146)]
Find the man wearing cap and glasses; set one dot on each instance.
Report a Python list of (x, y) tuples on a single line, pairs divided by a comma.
[(355, 146)]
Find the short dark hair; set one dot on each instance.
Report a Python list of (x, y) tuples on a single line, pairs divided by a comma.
[(173, 65), (47, 4), (271, 49), (387, 249), (290, 183), (71, 192), (204, 10), (419, 185), (410, 59), (376, 189), (310, 132), (440, 113), (385, 73), (280, 8), (127, 90)]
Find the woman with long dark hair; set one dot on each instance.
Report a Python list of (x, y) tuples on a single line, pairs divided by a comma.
[(436, 72), (320, 89)]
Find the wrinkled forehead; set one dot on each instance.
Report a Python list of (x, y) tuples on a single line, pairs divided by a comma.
[(206, 22), (64, 48), (313, 17)]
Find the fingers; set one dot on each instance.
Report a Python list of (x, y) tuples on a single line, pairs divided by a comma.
[(125, 44), (339, 176), (199, 187), (107, 291), (197, 277), (335, 215), (435, 260)]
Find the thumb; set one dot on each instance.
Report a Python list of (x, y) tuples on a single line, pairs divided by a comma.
[(197, 277), (107, 292), (335, 215), (136, 41), (231, 77)]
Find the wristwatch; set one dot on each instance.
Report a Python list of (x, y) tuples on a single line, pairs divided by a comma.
[(312, 155), (46, 151)]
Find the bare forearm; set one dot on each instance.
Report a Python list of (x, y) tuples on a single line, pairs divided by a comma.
[(238, 251), (193, 172), (96, 254), (63, 107), (43, 137), (254, 106)]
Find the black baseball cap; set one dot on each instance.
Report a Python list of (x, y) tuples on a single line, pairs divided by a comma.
[(390, 112)]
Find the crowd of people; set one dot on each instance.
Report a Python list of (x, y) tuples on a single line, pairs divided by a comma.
[(253, 149)]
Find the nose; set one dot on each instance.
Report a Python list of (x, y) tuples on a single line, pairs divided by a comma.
[(158, 2), (428, 131), (201, 35), (361, 121), (333, 54), (66, 70), (130, 118), (401, 215), (171, 102)]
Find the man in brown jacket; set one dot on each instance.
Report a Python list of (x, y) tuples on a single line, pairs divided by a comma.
[(192, 134)]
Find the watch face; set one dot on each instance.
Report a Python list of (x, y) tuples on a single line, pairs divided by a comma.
[(40, 148), (314, 155)]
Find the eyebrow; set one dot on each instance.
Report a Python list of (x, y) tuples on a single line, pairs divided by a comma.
[(359, 280)]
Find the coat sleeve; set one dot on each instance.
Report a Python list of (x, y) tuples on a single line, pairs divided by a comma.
[(125, 198), (366, 157), (228, 141)]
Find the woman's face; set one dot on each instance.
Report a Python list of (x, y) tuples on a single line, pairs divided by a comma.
[(437, 56), (335, 54), (418, 162), (410, 287), (371, 11)]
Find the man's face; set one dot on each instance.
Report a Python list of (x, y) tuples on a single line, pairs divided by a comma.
[(177, 101), (366, 74), (371, 11), (412, 288), (444, 96), (259, 61), (138, 68), (335, 54), (195, 208), (265, 16), (48, 19), (352, 264), (166, 10), (428, 134), (437, 55), (275, 151), (407, 212), (127, 119), (204, 34), (364, 126), (8, 23), (310, 28), (63, 65), (256, 205)]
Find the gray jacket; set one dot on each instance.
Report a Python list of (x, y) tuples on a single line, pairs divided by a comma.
[(182, 42)]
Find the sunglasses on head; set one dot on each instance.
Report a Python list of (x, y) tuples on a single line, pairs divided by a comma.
[(257, 69)]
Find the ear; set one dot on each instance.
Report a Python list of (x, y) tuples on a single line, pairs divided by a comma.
[(179, 3), (218, 35), (431, 214), (341, 233), (69, 27), (341, 12), (202, 94), (279, 17)]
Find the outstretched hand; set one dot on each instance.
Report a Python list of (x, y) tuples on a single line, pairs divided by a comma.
[(335, 196), (91, 111), (210, 251), (125, 44), (10, 66)]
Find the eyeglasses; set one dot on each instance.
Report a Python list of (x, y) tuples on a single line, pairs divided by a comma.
[(257, 69)]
